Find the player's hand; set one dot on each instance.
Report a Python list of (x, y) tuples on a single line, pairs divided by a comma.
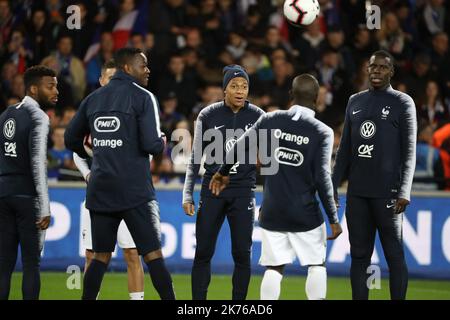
[(400, 205), (43, 223), (189, 208), (336, 230), (218, 183)]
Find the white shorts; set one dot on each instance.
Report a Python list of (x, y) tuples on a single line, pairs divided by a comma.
[(279, 248), (124, 238)]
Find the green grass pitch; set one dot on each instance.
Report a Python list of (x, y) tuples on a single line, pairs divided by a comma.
[(114, 287)]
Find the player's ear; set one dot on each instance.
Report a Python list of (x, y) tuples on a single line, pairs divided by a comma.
[(126, 68), (34, 89)]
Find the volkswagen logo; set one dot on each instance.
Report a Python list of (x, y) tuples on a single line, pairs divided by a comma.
[(368, 129), (9, 128)]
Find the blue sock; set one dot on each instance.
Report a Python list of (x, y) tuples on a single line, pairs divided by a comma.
[(161, 279), (93, 279)]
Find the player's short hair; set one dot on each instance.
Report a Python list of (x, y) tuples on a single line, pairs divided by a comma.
[(384, 54), (111, 64), (305, 87), (34, 74), (125, 55)]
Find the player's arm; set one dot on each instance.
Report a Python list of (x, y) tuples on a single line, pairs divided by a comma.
[(343, 156), (221, 179), (193, 166), (324, 184), (408, 135), (37, 146), (151, 138), (77, 130), (82, 166)]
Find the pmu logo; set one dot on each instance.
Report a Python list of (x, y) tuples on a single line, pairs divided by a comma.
[(9, 128), (288, 156), (106, 124), (368, 129)]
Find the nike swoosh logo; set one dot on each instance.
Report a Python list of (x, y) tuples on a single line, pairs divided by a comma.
[(250, 208), (390, 205), (218, 127), (355, 112), (236, 73)]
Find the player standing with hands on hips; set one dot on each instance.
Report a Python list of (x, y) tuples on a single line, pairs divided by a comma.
[(123, 120), (291, 221), (377, 155), (24, 200)]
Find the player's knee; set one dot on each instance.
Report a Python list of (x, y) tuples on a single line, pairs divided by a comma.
[(204, 254), (316, 268), (157, 254), (279, 269), (104, 257), (361, 254), (89, 254), (395, 259), (29, 261), (241, 257), (131, 257)]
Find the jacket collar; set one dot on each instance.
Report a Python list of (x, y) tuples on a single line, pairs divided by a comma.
[(300, 110), (387, 89), (246, 103), (30, 100), (122, 75)]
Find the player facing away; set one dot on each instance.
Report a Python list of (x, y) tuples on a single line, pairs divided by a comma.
[(236, 202), (123, 120), (24, 200), (124, 238), (291, 221), (377, 155)]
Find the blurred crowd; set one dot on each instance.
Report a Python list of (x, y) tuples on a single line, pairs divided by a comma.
[(188, 42)]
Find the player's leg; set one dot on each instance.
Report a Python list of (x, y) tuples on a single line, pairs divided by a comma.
[(361, 231), (135, 274), (104, 226), (276, 252), (86, 235), (9, 241), (89, 255), (134, 265), (390, 229), (240, 215), (31, 241), (271, 283), (210, 217), (311, 249), (144, 225)]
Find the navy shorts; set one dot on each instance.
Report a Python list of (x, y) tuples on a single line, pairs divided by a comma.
[(143, 222)]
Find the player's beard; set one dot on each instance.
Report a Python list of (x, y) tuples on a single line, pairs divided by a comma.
[(44, 101)]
